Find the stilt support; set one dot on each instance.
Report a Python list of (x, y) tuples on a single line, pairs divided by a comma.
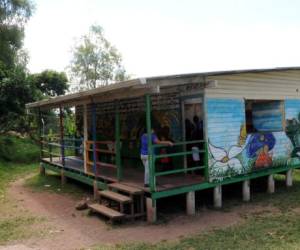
[(42, 170), (218, 196), (246, 190), (271, 184), (96, 194), (63, 178), (190, 203), (289, 178), (151, 210)]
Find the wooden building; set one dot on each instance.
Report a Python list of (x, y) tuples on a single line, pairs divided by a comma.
[(227, 127)]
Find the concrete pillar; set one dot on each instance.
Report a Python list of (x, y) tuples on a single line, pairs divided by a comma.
[(190, 203), (63, 177), (42, 170), (151, 210), (246, 190), (96, 194), (271, 184), (218, 196), (289, 178)]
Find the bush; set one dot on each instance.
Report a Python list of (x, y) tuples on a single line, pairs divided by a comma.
[(16, 149)]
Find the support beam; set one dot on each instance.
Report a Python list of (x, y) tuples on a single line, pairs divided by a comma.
[(151, 210), (246, 190), (85, 135), (63, 178), (61, 126), (149, 143), (218, 196), (41, 133), (190, 203), (289, 178), (96, 193), (271, 184), (118, 143), (42, 170), (94, 135)]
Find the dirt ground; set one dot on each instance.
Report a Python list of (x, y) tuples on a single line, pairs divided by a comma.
[(67, 228)]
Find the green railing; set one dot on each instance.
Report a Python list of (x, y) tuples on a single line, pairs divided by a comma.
[(179, 152)]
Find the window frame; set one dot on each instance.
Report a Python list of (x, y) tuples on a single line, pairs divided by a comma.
[(282, 109)]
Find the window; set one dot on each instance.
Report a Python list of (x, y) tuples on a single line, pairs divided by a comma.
[(264, 115)]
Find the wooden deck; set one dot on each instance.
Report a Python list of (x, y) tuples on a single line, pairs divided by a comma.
[(131, 176)]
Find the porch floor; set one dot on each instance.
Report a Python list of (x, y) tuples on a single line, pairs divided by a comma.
[(132, 176)]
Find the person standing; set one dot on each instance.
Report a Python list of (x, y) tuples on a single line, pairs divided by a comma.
[(144, 152)]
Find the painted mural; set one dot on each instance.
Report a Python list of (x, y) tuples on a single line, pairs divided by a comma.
[(233, 152)]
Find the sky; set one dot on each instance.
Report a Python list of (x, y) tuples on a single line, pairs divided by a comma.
[(162, 37)]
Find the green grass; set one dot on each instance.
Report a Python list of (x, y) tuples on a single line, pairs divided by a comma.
[(15, 149), (11, 171), (51, 183)]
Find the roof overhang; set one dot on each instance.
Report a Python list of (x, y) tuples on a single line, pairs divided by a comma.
[(137, 87)]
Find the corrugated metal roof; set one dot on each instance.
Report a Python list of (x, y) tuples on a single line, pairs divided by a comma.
[(142, 83)]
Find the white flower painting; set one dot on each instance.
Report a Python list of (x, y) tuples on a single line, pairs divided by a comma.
[(224, 161)]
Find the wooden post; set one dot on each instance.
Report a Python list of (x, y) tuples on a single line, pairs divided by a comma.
[(42, 170), (289, 178), (117, 143), (190, 203), (218, 196), (40, 134), (61, 125), (151, 210), (95, 187), (63, 177), (94, 134), (246, 190), (271, 184), (149, 136), (85, 135)]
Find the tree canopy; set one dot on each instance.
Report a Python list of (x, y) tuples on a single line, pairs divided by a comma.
[(95, 61), (50, 82), (17, 85)]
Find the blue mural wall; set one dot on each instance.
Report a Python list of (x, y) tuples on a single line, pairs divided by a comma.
[(233, 152)]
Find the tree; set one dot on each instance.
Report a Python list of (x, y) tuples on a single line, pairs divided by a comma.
[(15, 90), (50, 82), (13, 16), (95, 61)]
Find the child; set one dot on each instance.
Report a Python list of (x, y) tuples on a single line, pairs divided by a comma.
[(144, 152)]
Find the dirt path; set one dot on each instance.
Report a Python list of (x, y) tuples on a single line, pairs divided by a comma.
[(67, 228)]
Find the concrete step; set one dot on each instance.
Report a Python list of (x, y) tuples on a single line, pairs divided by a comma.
[(106, 211), (125, 188), (115, 196)]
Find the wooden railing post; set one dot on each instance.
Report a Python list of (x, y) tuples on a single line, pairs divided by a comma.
[(94, 135), (117, 143), (61, 125), (149, 137)]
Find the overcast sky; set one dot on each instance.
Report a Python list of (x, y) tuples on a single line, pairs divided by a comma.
[(160, 37)]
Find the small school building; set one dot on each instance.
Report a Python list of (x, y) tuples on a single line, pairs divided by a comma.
[(227, 127)]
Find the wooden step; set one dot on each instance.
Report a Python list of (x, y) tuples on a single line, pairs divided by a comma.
[(115, 196), (125, 188), (108, 212)]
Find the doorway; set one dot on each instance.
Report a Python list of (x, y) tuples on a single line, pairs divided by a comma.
[(193, 130)]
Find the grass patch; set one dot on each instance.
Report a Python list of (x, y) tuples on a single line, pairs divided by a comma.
[(51, 183), (11, 171), (17, 228)]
